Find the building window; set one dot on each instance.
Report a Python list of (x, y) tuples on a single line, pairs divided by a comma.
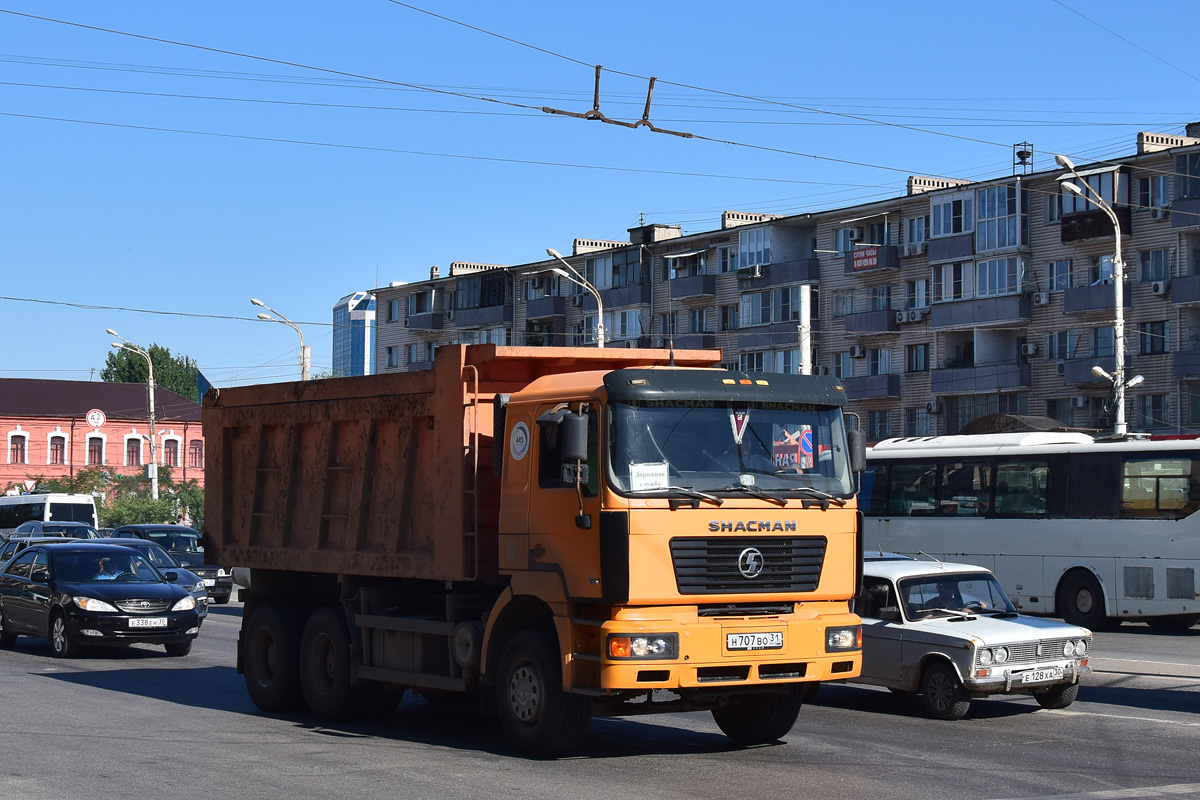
[(878, 234), (1111, 185), (727, 257), (998, 276), (393, 357), (598, 271), (171, 453), (881, 361), (951, 282), (393, 310), (1154, 192), (729, 318), (754, 247), (670, 323), (756, 309), (952, 213), (1103, 343), (916, 229), (1101, 270), (1155, 265), (916, 358), (685, 266), (843, 302), (845, 239), (133, 452), (412, 354), (1003, 217), (58, 450), (95, 450), (420, 303), (1154, 337), (753, 362), (626, 324), (1053, 208), (698, 320), (1154, 411), (627, 267), (1060, 345), (843, 365), (918, 294), (1187, 176), (879, 425), (17, 451), (879, 298), (916, 422), (1058, 409), (1058, 275), (787, 300), (196, 453)]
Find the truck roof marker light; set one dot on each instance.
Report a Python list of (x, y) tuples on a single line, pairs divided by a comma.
[(732, 381), (638, 382), (746, 382), (762, 383)]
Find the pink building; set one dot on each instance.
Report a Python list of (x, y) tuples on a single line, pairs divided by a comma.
[(47, 431)]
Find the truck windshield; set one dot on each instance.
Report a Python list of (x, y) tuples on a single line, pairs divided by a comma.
[(713, 446)]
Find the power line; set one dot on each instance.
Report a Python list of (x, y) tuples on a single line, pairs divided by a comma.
[(92, 307), (1155, 56)]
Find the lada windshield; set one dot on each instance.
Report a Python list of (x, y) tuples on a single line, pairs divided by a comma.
[(951, 594), (660, 447)]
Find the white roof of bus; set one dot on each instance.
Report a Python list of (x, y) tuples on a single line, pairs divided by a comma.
[(1003, 443)]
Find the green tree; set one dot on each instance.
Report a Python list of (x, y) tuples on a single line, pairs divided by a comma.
[(177, 373), (131, 509), (86, 480)]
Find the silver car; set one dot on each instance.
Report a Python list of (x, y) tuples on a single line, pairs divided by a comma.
[(949, 633)]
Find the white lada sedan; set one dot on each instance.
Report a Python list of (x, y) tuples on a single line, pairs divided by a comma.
[(949, 633)]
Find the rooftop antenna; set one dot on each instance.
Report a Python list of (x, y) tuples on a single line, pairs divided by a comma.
[(641, 218), (1022, 158)]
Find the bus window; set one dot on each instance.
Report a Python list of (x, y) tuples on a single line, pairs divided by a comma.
[(966, 488), (1159, 488), (1021, 488), (912, 490), (872, 498)]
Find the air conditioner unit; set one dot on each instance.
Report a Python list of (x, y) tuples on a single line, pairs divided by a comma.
[(901, 317), (1079, 401), (1062, 368), (933, 407), (406, 322), (857, 351), (450, 313), (1159, 287), (1159, 212), (914, 249), (1029, 349), (916, 315), (576, 299), (1041, 298), (856, 234)]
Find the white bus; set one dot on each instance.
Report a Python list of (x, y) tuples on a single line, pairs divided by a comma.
[(1094, 531), (49, 507)]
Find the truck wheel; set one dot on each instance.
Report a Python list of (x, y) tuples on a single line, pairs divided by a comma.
[(537, 716), (759, 718), (270, 648), (325, 666), (1058, 696), (1081, 602), (942, 692)]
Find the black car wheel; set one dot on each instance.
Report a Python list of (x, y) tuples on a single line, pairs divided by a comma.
[(7, 637), (270, 656), (62, 645), (179, 648)]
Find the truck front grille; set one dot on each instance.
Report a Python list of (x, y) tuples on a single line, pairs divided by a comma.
[(726, 565)]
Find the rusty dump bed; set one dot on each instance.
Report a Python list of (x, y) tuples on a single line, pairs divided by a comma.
[(384, 475)]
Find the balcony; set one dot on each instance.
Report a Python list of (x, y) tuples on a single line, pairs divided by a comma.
[(804, 270), (1186, 291), (693, 286), (696, 341), (871, 259), (872, 387), (780, 334), (487, 315), (419, 366), (1185, 213), (549, 306), (983, 378), (429, 321), (1084, 225), (952, 248), (981, 313), (1093, 299), (637, 294), (1187, 363), (1078, 371), (868, 322)]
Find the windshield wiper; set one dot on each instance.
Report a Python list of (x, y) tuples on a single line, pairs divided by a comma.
[(818, 494), (681, 490), (754, 491)]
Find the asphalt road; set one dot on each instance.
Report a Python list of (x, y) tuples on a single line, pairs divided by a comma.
[(135, 723)]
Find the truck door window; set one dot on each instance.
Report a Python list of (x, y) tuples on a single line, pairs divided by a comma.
[(550, 457)]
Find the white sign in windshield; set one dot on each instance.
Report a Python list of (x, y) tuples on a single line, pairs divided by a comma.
[(653, 475)]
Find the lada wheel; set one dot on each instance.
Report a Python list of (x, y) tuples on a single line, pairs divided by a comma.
[(759, 718), (942, 692), (538, 717), (270, 656), (62, 645), (1081, 601), (1059, 696)]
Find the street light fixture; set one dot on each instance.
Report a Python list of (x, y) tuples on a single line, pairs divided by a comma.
[(305, 353), (1118, 278), (125, 344), (572, 274)]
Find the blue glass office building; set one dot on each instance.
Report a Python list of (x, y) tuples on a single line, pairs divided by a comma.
[(354, 335)]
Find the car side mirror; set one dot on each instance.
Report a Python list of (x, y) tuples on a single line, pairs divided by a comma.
[(890, 613), (41, 576), (171, 576)]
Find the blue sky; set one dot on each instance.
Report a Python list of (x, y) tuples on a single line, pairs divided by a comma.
[(151, 175)]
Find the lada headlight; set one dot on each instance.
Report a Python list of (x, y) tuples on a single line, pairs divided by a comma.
[(1080, 647), (1000, 654), (985, 657), (643, 646)]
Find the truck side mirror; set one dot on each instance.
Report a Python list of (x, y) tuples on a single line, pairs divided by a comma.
[(856, 441), (574, 437)]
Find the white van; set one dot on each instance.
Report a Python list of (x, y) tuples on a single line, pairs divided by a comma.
[(16, 509)]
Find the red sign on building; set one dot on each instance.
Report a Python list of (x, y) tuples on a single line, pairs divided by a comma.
[(865, 258)]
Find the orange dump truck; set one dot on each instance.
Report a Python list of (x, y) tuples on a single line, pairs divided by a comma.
[(563, 532)]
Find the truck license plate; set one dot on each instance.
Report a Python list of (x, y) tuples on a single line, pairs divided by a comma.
[(148, 622), (1038, 675), (772, 640)]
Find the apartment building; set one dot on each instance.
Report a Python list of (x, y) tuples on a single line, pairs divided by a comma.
[(955, 300)]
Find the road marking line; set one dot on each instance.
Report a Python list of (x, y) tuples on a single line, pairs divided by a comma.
[(1121, 794), (1065, 712)]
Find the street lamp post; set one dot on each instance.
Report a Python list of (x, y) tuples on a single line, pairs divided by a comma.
[(305, 354), (572, 274), (1118, 275), (125, 344)]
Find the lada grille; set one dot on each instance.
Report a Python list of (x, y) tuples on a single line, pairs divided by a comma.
[(1028, 653), (710, 565), (142, 606)]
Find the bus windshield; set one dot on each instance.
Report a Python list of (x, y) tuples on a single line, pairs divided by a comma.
[(708, 446)]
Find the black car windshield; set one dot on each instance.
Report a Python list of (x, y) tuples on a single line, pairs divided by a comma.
[(712, 446), (74, 531), (89, 567), (952, 594), (157, 556), (176, 541)]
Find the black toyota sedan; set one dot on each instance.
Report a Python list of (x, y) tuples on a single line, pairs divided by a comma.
[(79, 594), (184, 544)]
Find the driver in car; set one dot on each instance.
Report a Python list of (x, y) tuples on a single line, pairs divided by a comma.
[(105, 570)]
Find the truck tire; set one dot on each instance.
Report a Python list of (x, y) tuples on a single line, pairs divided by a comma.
[(270, 650), (538, 717), (760, 718), (1081, 601), (942, 692), (325, 666), (1059, 696)]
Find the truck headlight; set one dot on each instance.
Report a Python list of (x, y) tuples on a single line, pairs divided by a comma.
[(643, 646), (837, 639)]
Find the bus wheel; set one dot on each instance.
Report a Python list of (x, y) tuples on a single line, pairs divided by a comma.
[(760, 718), (270, 649), (537, 716), (1080, 600)]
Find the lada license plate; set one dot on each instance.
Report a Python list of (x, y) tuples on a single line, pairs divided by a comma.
[(148, 622), (772, 640), (210, 581), (1039, 675)]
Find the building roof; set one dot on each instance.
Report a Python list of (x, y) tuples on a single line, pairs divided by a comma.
[(32, 397)]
